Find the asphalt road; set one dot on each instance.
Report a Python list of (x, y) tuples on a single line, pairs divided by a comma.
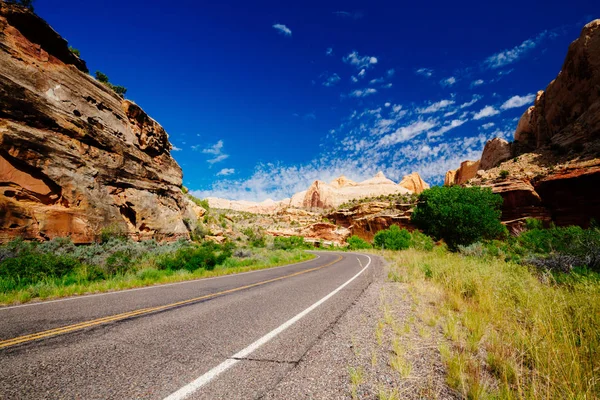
[(231, 337)]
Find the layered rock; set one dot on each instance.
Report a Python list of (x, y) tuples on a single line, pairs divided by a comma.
[(466, 171), (495, 152), (365, 220), (322, 195), (414, 183), (74, 156), (557, 174), (321, 232), (568, 111)]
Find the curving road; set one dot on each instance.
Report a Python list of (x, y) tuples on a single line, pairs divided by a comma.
[(231, 337)]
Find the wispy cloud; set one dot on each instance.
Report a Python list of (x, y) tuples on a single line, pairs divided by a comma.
[(518, 101), (427, 72), (284, 30), (478, 82), (360, 62), (175, 148), (347, 14), (468, 104), (448, 81), (435, 107), (217, 151), (226, 172), (512, 55), (363, 92), (488, 125), (485, 112), (332, 80), (329, 51)]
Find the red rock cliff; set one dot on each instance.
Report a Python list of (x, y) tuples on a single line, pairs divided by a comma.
[(74, 156)]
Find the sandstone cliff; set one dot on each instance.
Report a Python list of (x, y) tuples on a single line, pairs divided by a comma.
[(74, 156), (554, 166), (323, 195)]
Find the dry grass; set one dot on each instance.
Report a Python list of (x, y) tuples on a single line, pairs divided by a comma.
[(512, 334)]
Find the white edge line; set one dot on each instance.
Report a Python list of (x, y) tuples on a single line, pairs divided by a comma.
[(195, 385), (87, 296)]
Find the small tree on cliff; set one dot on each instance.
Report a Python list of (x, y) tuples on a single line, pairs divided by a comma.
[(103, 78), (459, 215)]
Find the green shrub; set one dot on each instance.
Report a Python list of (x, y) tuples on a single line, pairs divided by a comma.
[(200, 202), (119, 262), (393, 238), (504, 174), (459, 215), (289, 243), (103, 78), (75, 51), (356, 243), (112, 231), (533, 223), (420, 241), (191, 259), (31, 266), (255, 238)]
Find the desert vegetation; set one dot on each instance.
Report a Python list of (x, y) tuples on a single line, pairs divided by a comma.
[(57, 268), (101, 77), (520, 315)]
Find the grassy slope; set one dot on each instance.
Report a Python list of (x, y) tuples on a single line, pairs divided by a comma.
[(63, 287), (512, 333)]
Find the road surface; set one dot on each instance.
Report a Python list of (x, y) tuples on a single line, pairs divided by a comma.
[(232, 337)]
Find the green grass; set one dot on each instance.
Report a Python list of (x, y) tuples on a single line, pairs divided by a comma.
[(512, 331), (147, 274)]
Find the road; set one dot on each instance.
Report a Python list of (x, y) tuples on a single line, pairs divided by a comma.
[(231, 337)]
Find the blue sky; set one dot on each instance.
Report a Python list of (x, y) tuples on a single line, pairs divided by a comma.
[(261, 98)]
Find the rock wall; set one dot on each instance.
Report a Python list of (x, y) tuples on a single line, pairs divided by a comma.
[(74, 156), (559, 137)]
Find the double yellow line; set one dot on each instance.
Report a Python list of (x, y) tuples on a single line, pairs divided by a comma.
[(144, 311)]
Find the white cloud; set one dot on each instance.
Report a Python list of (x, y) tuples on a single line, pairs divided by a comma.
[(450, 113), (329, 51), (390, 72), (360, 62), (510, 56), (427, 72), (387, 104), (470, 103), (310, 116), (518, 101), (284, 30), (218, 158), (363, 92), (448, 81), (362, 72), (453, 124), (332, 80), (175, 148), (387, 85), (217, 151), (376, 81), (354, 79), (485, 112), (435, 107), (406, 133), (478, 82), (226, 171), (488, 125)]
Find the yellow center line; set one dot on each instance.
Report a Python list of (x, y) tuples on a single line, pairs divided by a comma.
[(143, 311)]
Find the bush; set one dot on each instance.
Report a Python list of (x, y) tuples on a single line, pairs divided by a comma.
[(31, 267), (459, 215), (193, 258), (199, 202), (533, 223), (420, 241), (393, 238), (119, 262), (255, 238), (289, 243), (75, 51), (504, 174), (356, 243), (112, 231), (103, 78)]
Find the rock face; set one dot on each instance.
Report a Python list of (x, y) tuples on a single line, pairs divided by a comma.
[(326, 233), (468, 170), (568, 111), (559, 139), (495, 151), (323, 195), (414, 183), (74, 156), (365, 220)]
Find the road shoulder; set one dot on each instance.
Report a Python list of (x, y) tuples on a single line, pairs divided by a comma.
[(382, 347)]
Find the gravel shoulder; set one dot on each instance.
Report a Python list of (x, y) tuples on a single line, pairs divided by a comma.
[(382, 347)]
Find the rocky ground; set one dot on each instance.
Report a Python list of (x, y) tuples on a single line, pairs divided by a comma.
[(384, 347)]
